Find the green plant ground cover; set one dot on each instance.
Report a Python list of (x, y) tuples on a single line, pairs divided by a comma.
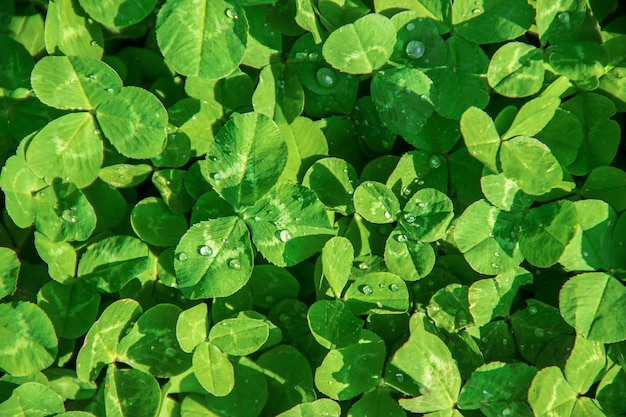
[(303, 208)]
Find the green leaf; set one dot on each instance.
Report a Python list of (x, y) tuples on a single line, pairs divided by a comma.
[(533, 116), (611, 388), (375, 36), (68, 147), (337, 258), (306, 144), (262, 43), (593, 303), (190, 35), (306, 19), (16, 64), (101, 343), (404, 99), (60, 257), (426, 215), (170, 183), (550, 394), (426, 359), (531, 164), (246, 159), (559, 18), (407, 258), (32, 399), (30, 341), (153, 338), (491, 21), (449, 308), (498, 388), (214, 258), (319, 408), (119, 13), (71, 307), (279, 94), (109, 264), (333, 325), (289, 378), (481, 137), (155, 224), (546, 232), (376, 203), (70, 31), (606, 183), (418, 44), (377, 293), (9, 271), (376, 403), (288, 224), (125, 175), (73, 82), (213, 369), (192, 327), (129, 392), (18, 184), (578, 61), (584, 364), (516, 70), (431, 9), (135, 122), (590, 248), (270, 284), (417, 170), (503, 192), (601, 134), (493, 297), (62, 212), (563, 135), (332, 179), (487, 237), (340, 380), (239, 336)]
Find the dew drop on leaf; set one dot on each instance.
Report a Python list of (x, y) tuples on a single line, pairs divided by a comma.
[(539, 332), (415, 49), (284, 235), (96, 131), (476, 11), (496, 254), (216, 176), (170, 352), (435, 161), (399, 377), (205, 250), (109, 90), (313, 56), (152, 347), (401, 238), (68, 216), (494, 265), (214, 158), (232, 13), (387, 215), (410, 27), (363, 265), (394, 287), (564, 17), (505, 342), (367, 290), (532, 310), (406, 191), (182, 257), (506, 411), (409, 217), (326, 77), (234, 264)]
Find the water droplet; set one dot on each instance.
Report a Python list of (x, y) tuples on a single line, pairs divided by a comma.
[(284, 235), (435, 309), (205, 250), (564, 17), (421, 205), (313, 56), (540, 332), (96, 131), (505, 342), (69, 216), (410, 27), (585, 254), (477, 11), (214, 158), (381, 285), (109, 90), (490, 234), (387, 215), (152, 347), (494, 265), (401, 238), (485, 339), (234, 264), (363, 265), (367, 290), (399, 377), (406, 191), (93, 43), (435, 161), (522, 347), (415, 49), (232, 13), (409, 217), (67, 179), (93, 76), (496, 254), (609, 223), (182, 257), (506, 411), (532, 310), (170, 352), (326, 77), (394, 287), (216, 176)]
